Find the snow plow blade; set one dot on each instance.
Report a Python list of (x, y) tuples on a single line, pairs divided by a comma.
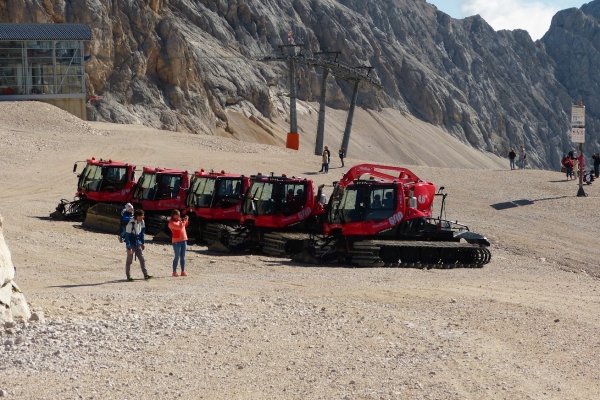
[(103, 217)]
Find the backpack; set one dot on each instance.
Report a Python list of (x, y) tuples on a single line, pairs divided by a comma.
[(123, 224)]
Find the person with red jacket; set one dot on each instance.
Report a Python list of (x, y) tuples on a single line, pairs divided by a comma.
[(179, 240), (568, 163)]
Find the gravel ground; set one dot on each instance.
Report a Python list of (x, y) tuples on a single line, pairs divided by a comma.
[(250, 326)]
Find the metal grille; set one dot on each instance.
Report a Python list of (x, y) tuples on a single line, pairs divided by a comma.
[(45, 32)]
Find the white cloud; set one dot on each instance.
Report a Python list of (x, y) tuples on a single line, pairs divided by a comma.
[(534, 17)]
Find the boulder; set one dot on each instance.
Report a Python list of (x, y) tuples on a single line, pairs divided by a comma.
[(12, 301)]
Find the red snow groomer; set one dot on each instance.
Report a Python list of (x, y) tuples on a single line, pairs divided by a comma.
[(101, 181), (214, 204), (158, 192), (382, 215), (278, 213)]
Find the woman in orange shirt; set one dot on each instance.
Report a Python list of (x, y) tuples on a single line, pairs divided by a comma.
[(179, 240)]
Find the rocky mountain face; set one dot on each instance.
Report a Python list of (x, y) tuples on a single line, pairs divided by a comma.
[(183, 64), (573, 43)]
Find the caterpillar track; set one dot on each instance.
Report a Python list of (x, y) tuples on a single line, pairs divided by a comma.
[(283, 244), (217, 235), (276, 244), (405, 254)]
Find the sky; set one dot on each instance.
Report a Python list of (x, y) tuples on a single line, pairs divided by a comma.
[(532, 15)]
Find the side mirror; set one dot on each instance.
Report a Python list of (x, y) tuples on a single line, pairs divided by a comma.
[(74, 167)]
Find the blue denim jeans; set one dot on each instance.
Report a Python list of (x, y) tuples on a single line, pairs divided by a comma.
[(179, 248)]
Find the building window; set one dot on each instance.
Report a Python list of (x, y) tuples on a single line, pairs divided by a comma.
[(41, 67)]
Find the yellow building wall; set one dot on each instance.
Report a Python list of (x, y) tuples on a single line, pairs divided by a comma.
[(74, 106)]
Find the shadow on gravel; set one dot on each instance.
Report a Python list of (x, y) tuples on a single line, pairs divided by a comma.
[(204, 251), (89, 284), (523, 202), (296, 264), (46, 218)]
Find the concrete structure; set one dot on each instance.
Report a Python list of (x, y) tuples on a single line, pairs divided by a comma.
[(44, 62)]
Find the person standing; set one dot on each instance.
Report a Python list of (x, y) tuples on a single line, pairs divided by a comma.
[(596, 158), (325, 160), (511, 156), (342, 154), (126, 216), (580, 164), (134, 241), (568, 163), (179, 240), (522, 156)]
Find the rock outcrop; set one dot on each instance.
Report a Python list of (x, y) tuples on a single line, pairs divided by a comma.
[(183, 64), (12, 301), (573, 42)]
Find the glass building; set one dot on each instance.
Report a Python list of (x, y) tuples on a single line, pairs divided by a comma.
[(44, 62)]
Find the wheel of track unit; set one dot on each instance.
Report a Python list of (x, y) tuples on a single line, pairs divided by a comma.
[(410, 256), (430, 256), (449, 257), (389, 255), (467, 257)]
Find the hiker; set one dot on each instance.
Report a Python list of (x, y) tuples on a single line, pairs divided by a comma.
[(596, 158), (126, 215), (511, 156), (325, 161), (568, 163), (134, 240), (179, 240), (522, 157), (580, 164), (342, 154)]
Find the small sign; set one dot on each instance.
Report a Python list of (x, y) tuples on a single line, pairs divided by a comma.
[(578, 135), (577, 116)]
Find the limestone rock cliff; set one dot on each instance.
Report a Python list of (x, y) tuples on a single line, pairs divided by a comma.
[(182, 64), (573, 42)]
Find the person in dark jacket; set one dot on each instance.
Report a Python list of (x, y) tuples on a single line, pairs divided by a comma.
[(511, 156), (568, 163), (342, 154), (596, 158), (134, 240)]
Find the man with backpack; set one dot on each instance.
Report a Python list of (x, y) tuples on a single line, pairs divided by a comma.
[(568, 163), (134, 240)]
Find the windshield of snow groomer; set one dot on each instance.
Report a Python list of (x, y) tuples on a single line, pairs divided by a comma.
[(380, 203), (350, 207), (90, 178), (95, 178), (362, 203), (146, 187), (201, 192), (168, 186), (115, 178), (260, 198), (292, 197), (228, 192)]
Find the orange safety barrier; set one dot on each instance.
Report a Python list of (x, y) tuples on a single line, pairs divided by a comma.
[(293, 141)]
